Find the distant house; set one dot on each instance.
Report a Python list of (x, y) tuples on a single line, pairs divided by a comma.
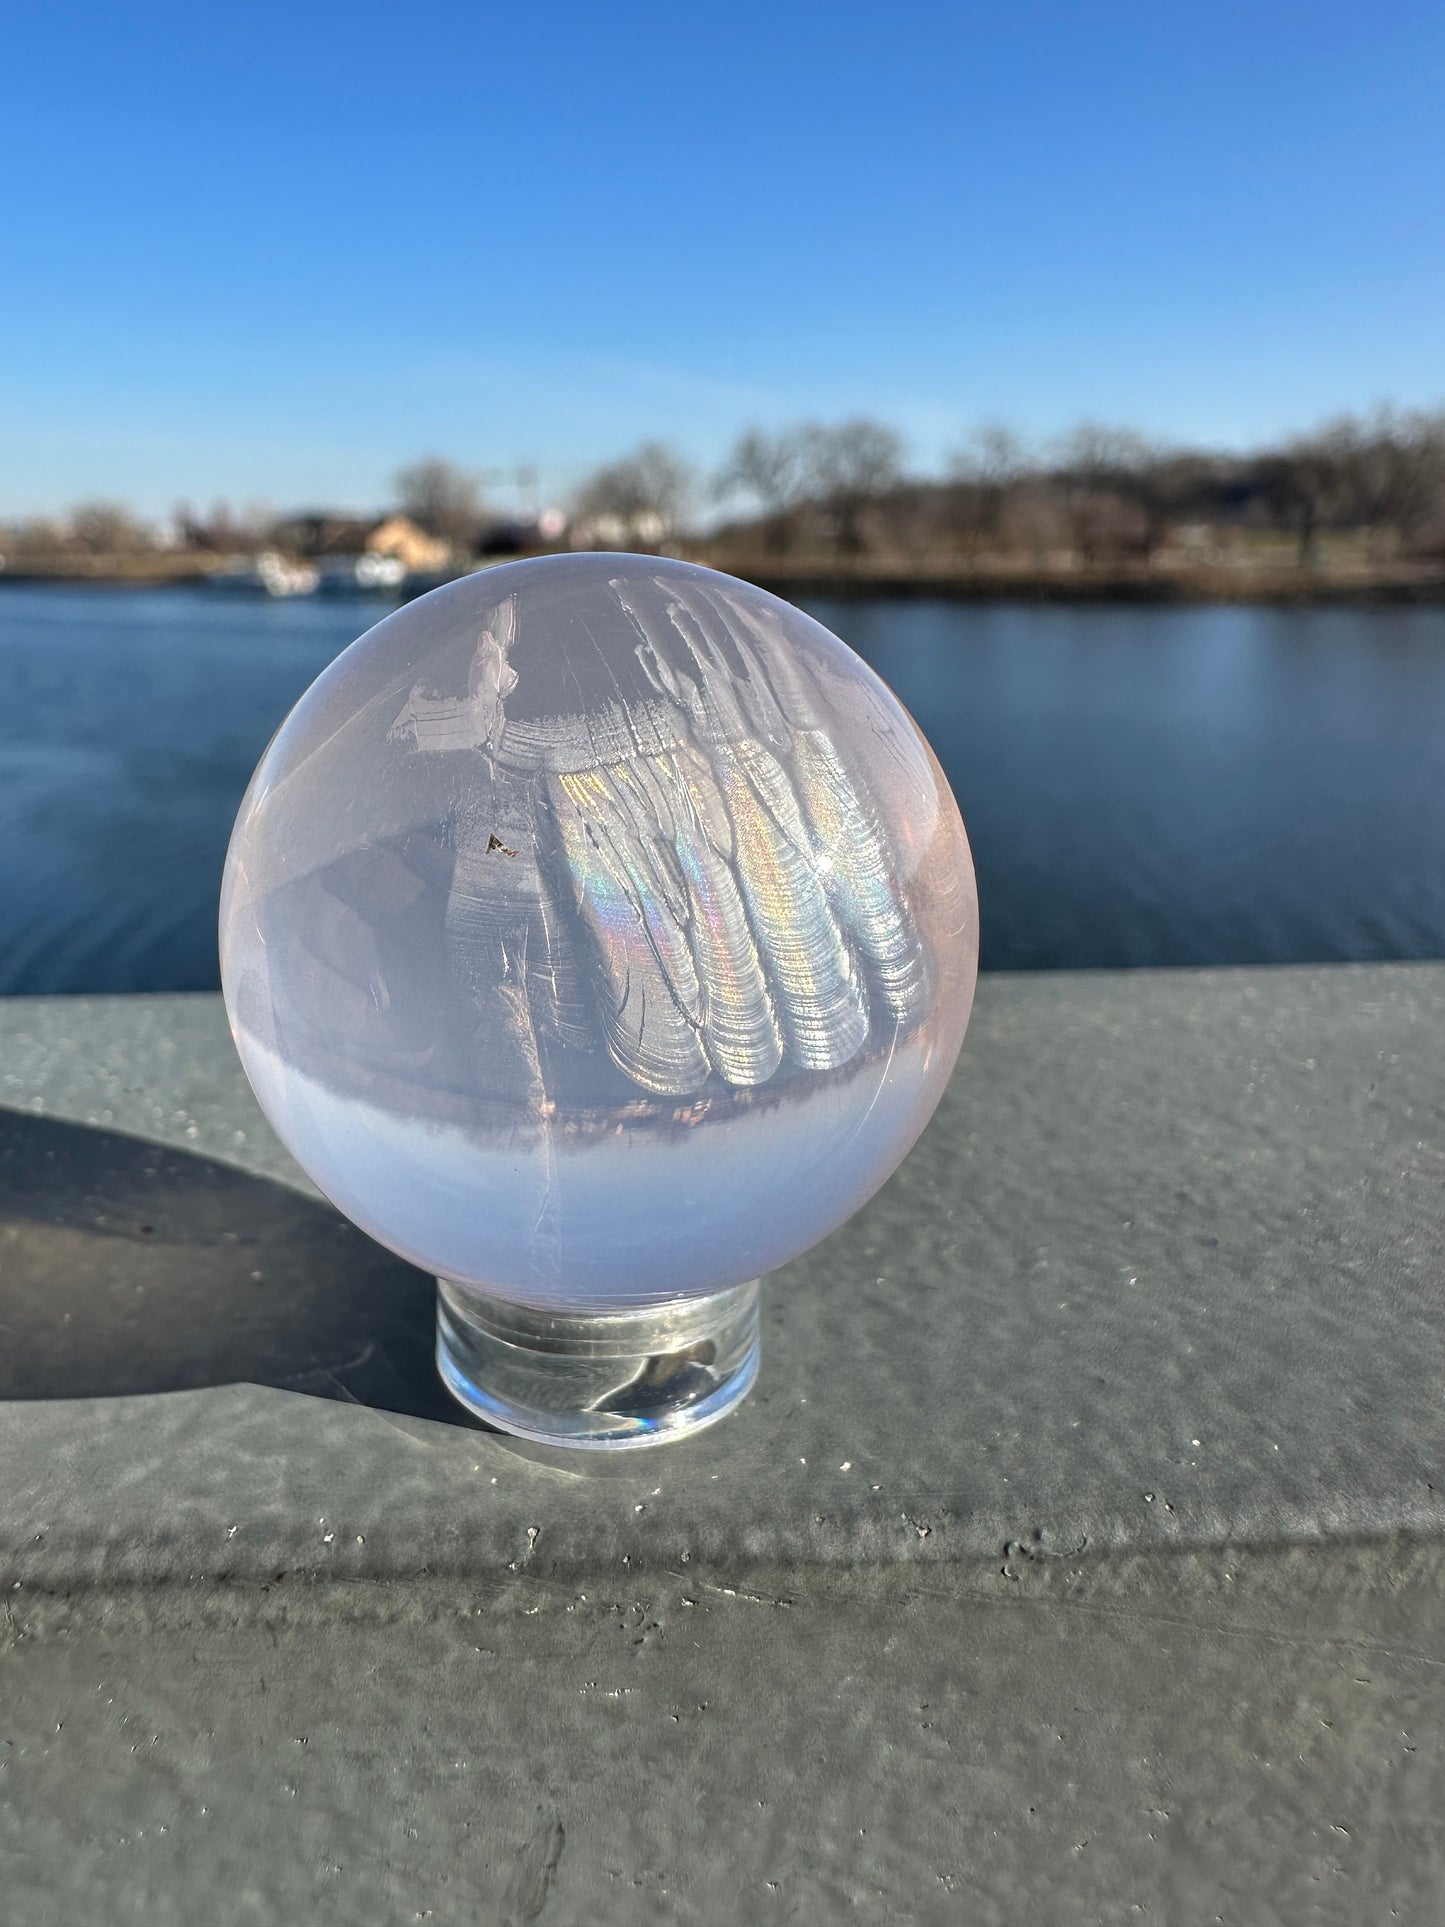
[(318, 537), (398, 535)]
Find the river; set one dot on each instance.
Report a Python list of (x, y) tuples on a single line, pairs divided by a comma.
[(1142, 785)]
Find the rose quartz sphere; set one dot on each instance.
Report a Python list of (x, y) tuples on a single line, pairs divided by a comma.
[(598, 931)]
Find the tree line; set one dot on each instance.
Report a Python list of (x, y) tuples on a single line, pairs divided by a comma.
[(1373, 484), (1100, 494)]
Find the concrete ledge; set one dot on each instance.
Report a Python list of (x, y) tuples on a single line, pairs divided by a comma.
[(1186, 1738), (1166, 1270), (977, 1612)]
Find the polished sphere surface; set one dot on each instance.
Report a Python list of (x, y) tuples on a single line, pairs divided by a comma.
[(598, 930)]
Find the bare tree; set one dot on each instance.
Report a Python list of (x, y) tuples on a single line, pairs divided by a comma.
[(442, 498), (848, 466), (1389, 471), (1303, 486), (1098, 451), (641, 497), (773, 470), (992, 461), (221, 531), (32, 535), (1034, 520), (108, 528), (1108, 478)]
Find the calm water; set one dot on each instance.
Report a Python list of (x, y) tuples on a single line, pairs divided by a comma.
[(1142, 786)]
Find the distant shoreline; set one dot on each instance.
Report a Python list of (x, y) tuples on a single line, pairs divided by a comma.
[(1099, 584), (1160, 582)]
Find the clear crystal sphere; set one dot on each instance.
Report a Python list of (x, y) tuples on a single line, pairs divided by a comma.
[(598, 932)]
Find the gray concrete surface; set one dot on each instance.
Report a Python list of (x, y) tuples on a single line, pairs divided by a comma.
[(1078, 1557), (1180, 1738)]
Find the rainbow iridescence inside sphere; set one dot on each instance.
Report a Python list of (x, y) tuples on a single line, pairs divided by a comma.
[(598, 930)]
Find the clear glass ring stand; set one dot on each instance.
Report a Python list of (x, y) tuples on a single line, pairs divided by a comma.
[(598, 1380)]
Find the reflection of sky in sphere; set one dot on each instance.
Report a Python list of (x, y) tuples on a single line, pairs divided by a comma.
[(598, 926)]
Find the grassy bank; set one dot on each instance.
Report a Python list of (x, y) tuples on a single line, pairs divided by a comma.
[(1057, 580), (1075, 582)]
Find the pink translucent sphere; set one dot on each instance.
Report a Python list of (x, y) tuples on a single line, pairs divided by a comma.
[(598, 931)]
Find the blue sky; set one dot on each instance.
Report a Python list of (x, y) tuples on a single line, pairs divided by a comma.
[(272, 252)]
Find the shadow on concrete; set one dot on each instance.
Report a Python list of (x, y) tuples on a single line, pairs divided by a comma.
[(126, 1267)]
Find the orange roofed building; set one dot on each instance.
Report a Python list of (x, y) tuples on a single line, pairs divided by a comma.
[(398, 535)]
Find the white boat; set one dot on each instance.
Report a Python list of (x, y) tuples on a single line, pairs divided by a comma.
[(280, 577), (384, 572), (363, 575), (269, 574)]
